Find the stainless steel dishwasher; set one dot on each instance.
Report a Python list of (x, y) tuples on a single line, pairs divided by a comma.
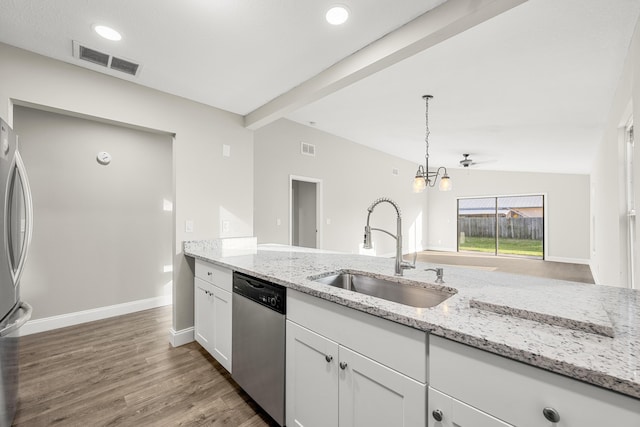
[(258, 342)]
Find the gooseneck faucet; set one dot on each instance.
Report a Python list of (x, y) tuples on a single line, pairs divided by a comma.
[(400, 263)]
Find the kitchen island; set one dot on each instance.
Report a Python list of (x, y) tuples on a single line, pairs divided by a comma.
[(589, 333)]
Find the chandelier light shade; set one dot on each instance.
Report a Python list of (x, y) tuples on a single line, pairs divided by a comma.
[(424, 178)]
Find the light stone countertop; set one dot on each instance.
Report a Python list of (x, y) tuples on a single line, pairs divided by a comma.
[(587, 332)]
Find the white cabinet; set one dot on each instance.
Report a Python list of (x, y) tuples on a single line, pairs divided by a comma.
[(334, 384), (312, 379), (445, 411), (518, 394), (372, 395), (212, 311)]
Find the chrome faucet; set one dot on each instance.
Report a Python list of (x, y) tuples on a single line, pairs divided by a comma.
[(439, 274), (400, 263)]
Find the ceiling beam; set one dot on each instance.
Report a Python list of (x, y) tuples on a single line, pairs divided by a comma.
[(429, 29)]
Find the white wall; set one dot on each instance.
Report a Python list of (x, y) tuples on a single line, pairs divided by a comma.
[(101, 234), (208, 187), (608, 213), (352, 175), (566, 210)]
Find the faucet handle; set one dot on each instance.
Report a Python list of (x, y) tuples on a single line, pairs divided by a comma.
[(406, 265), (439, 274)]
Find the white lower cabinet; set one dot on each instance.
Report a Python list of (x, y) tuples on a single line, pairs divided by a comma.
[(471, 387), (445, 411), (372, 395), (331, 385), (212, 312)]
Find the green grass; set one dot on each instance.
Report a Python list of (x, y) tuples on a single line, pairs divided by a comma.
[(505, 246)]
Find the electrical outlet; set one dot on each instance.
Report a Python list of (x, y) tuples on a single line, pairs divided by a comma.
[(225, 226), (188, 226)]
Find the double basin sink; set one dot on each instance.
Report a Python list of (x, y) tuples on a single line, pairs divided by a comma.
[(403, 292)]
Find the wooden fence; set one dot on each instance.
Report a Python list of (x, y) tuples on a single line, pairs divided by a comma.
[(510, 228)]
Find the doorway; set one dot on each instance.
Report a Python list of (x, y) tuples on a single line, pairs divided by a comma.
[(305, 211)]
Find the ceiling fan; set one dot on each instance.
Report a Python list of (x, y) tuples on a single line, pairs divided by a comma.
[(466, 161)]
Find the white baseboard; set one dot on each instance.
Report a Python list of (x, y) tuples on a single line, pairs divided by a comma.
[(70, 319), (568, 260), (181, 337), (441, 249)]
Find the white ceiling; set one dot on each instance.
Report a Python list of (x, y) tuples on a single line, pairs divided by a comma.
[(527, 90)]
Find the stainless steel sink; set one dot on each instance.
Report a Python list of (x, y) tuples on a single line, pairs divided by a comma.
[(390, 290)]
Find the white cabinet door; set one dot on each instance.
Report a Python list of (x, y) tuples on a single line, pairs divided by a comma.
[(221, 346), (445, 411), (212, 320), (203, 314), (312, 379), (372, 395)]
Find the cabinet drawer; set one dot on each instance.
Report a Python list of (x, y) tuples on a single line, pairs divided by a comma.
[(219, 276), (518, 393), (445, 411)]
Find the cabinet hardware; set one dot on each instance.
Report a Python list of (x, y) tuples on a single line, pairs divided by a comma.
[(328, 358), (343, 365), (437, 415), (551, 415), (209, 273)]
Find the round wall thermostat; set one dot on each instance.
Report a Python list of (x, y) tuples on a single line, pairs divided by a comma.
[(104, 158)]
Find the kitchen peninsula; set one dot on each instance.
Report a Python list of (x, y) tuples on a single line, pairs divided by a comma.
[(584, 332)]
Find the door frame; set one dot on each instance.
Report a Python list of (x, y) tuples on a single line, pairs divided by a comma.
[(318, 183)]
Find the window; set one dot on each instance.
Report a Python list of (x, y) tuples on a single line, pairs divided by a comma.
[(508, 225)]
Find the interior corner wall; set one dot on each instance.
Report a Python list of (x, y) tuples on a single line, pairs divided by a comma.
[(610, 242), (566, 209), (207, 187), (102, 235), (352, 175)]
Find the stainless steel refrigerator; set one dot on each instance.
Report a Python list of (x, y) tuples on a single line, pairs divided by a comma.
[(15, 232)]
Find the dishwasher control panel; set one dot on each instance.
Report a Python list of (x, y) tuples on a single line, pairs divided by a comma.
[(261, 291)]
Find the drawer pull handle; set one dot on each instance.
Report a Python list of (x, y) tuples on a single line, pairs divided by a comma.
[(328, 358), (437, 415), (209, 273), (551, 415), (343, 365)]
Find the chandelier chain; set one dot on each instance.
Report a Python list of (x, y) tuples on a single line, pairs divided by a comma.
[(427, 132)]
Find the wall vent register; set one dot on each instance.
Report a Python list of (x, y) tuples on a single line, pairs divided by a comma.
[(307, 149)]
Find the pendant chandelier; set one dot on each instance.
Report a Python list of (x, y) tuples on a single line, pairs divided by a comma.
[(423, 177)]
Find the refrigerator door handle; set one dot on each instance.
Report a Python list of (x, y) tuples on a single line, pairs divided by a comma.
[(28, 202), (20, 321)]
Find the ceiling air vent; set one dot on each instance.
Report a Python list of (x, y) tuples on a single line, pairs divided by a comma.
[(105, 60), (307, 149), (124, 66), (94, 56)]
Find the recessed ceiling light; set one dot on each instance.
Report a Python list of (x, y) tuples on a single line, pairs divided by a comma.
[(107, 32), (337, 15)]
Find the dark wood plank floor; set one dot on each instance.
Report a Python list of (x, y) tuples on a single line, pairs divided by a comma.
[(122, 371)]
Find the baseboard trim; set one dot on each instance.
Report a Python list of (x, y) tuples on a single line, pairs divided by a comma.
[(181, 337), (76, 318), (568, 260)]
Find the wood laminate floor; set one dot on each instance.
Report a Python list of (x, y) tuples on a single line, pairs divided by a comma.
[(122, 371)]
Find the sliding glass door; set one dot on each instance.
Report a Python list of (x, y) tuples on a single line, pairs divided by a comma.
[(509, 225)]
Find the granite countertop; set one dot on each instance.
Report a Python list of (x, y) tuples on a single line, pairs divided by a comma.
[(587, 332)]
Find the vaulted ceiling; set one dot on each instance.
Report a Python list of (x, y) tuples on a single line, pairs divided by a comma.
[(527, 89)]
